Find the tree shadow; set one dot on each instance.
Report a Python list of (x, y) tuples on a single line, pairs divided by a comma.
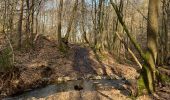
[(81, 61)]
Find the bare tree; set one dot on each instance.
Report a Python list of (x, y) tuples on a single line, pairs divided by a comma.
[(59, 23), (20, 24)]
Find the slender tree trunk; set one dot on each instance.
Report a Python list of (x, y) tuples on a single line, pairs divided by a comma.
[(20, 25), (166, 28), (168, 23), (32, 24), (28, 18), (37, 14), (83, 20), (99, 25), (59, 23), (94, 6)]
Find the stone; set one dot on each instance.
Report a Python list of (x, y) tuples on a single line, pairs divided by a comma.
[(67, 78), (60, 79), (98, 77)]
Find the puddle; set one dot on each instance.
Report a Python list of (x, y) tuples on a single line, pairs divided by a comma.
[(75, 86)]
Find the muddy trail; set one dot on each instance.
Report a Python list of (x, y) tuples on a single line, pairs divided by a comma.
[(82, 62)]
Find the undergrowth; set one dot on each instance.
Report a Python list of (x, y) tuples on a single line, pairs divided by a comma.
[(5, 59)]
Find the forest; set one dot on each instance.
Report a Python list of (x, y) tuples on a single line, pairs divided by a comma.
[(84, 49)]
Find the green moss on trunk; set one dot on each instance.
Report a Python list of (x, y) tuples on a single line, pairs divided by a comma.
[(145, 82)]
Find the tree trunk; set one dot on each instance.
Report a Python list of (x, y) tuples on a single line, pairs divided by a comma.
[(152, 32), (59, 23), (32, 24), (164, 33), (20, 25), (83, 20)]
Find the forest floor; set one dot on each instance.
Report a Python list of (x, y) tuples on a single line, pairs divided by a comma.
[(46, 65)]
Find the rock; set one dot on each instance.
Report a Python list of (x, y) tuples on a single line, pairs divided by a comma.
[(106, 77), (46, 79), (67, 79), (100, 71), (88, 76), (113, 76), (73, 78), (15, 81), (60, 79), (78, 87), (98, 77), (33, 98)]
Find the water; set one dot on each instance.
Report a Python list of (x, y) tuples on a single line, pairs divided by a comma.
[(86, 85)]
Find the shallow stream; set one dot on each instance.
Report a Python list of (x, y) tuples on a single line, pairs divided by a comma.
[(70, 86)]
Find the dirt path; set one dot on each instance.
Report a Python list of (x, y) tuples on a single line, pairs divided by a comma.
[(81, 61)]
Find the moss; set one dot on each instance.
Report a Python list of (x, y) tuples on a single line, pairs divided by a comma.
[(141, 85), (26, 45), (5, 59), (132, 97), (145, 85), (165, 78), (64, 48), (102, 56), (147, 55)]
